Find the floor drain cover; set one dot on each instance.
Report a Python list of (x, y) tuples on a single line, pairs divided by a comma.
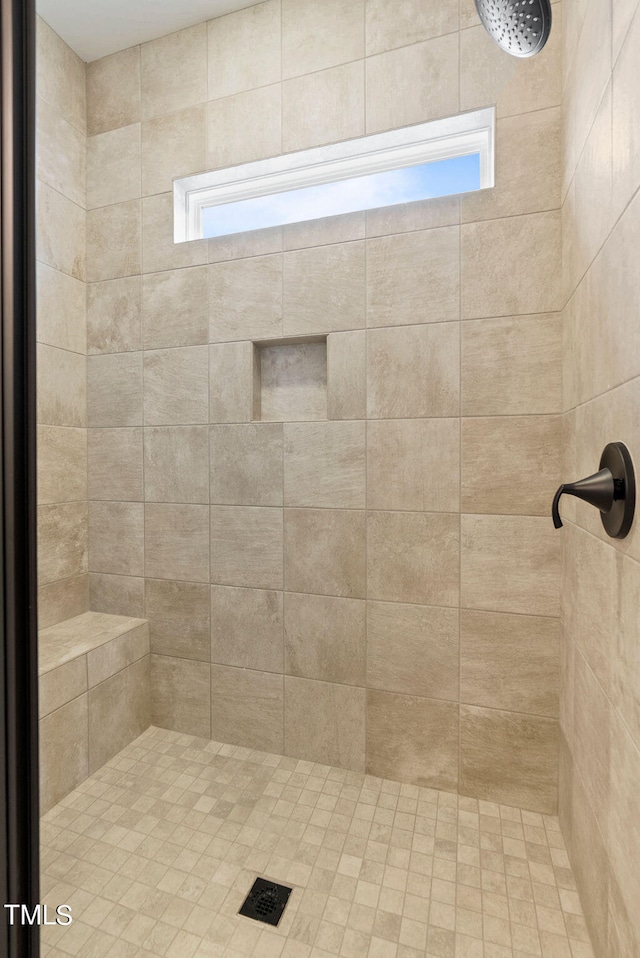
[(265, 902)]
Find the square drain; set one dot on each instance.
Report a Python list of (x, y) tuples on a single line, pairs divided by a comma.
[(266, 901)]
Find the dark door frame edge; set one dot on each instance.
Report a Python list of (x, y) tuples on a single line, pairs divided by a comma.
[(19, 804)]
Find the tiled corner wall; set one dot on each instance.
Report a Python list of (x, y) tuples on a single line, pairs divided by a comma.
[(61, 330), (378, 589), (600, 687)]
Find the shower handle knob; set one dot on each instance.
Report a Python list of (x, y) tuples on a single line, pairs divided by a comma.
[(612, 490)]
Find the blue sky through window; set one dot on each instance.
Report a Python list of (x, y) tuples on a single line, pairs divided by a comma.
[(459, 174)]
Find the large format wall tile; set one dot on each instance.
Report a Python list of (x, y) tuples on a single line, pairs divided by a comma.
[(61, 159), (119, 711), (510, 564), (318, 36), (323, 107), (324, 289), (61, 228), (413, 371), (174, 308), (509, 662), (113, 241), (244, 127), (324, 465), (115, 464), (412, 739), (115, 390), (238, 617), (324, 723), (159, 251), (176, 542), (324, 638), (247, 708), (178, 614), (404, 566), (62, 464), (173, 145), (116, 537), (412, 649), (173, 71), (390, 25), (246, 464), (60, 76), (244, 50), (246, 546), (180, 695), (113, 91), (245, 299), (64, 754), (61, 304), (346, 375), (413, 278), (509, 757), (231, 377), (114, 316), (113, 167), (176, 386), (116, 594), (62, 541), (324, 552), (176, 464)]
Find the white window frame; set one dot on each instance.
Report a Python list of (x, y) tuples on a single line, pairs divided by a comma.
[(442, 139)]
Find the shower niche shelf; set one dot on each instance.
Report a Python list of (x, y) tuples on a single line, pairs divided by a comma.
[(290, 379)]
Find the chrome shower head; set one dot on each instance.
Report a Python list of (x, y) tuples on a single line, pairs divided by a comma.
[(521, 27)]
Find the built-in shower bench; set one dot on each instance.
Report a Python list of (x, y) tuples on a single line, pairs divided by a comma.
[(94, 696)]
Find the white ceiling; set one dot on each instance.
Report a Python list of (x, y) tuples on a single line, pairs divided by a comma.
[(95, 28)]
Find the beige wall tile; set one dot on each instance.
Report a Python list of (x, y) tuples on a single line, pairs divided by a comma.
[(509, 758), (593, 194), (62, 685), (626, 129), (176, 386), (324, 723), (237, 617), (413, 649), (390, 25), (509, 662), (246, 464), (61, 309), (413, 278), (114, 316), (524, 142), (231, 377), (176, 542), (510, 564), (115, 390), (324, 464), (242, 245), (64, 758), (491, 285), (324, 638), (346, 375), (62, 541), (62, 599), (327, 231), (324, 289), (512, 366), (414, 464), (247, 708), (592, 735), (113, 241), (246, 546), (412, 739), (113, 91), (324, 552), (626, 667), (175, 308), (293, 382), (487, 76), (323, 107), (244, 49), (113, 166), (245, 299), (62, 396), (60, 153), (622, 829), (118, 655), (413, 84), (176, 464), (315, 37), (180, 695), (115, 464), (173, 71), (244, 127), (117, 594), (159, 251), (173, 145), (60, 79), (62, 464), (418, 215), (404, 565), (413, 371), (60, 232), (178, 614), (511, 464), (116, 531)]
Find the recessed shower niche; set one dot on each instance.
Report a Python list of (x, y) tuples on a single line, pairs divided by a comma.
[(290, 380)]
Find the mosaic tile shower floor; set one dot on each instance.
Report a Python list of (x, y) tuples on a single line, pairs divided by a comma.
[(157, 851)]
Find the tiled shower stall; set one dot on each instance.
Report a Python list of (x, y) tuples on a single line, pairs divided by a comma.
[(319, 459)]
